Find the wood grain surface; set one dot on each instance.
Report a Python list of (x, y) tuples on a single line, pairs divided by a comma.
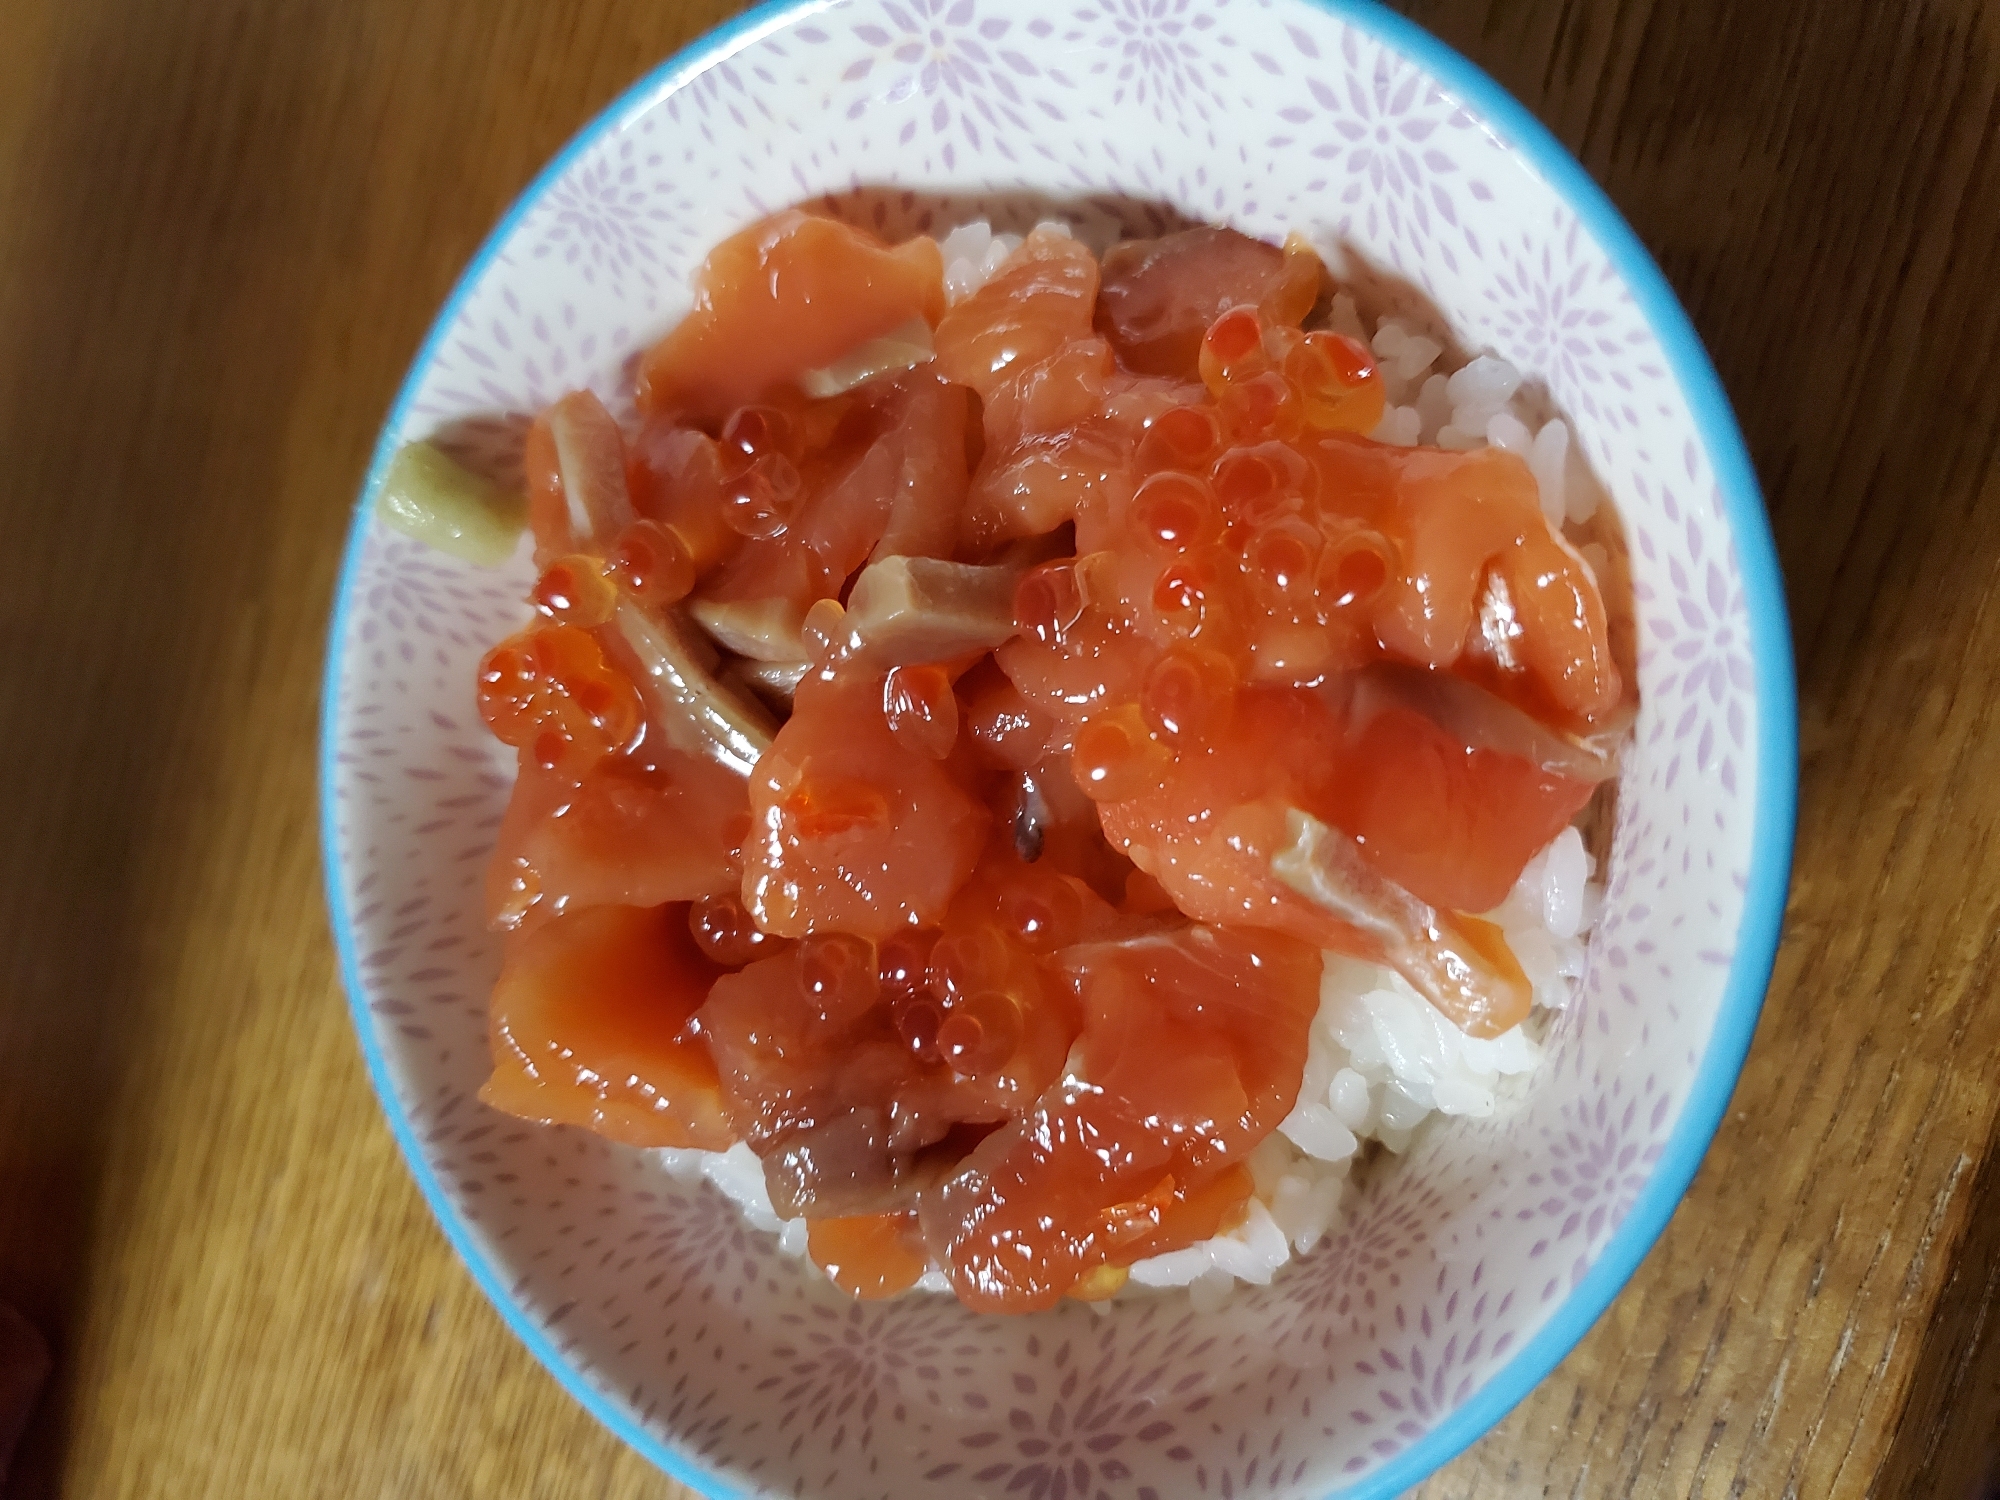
[(224, 227)]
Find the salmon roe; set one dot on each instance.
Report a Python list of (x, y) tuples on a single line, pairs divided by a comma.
[(927, 711)]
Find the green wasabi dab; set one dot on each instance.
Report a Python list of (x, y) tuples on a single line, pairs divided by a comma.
[(429, 495)]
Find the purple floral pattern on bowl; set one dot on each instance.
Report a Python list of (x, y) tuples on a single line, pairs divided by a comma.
[(691, 1328)]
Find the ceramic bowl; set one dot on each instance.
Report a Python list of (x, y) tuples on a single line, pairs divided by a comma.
[(1462, 1274)]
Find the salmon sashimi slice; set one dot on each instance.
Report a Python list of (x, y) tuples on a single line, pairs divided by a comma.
[(787, 295), (871, 1256), (638, 830), (861, 1072), (1192, 1050), (1159, 296), (591, 1026), (852, 829)]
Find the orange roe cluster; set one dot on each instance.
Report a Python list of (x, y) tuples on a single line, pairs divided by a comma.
[(916, 777), (550, 693)]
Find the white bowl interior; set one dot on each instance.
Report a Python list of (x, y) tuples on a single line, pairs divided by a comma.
[(1390, 1345)]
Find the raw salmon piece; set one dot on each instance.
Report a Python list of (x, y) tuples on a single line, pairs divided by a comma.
[(1457, 519), (590, 1026), (1160, 296), (1192, 1049), (637, 830), (852, 831), (869, 1257), (1451, 822), (787, 295), (861, 1073), (1039, 302)]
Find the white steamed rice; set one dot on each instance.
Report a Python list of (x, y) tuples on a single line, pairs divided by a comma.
[(1382, 1060)]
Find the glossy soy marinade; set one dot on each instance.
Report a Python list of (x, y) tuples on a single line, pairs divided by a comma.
[(952, 732)]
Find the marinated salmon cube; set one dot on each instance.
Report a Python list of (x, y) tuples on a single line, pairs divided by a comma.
[(1038, 303), (869, 1257), (591, 1025), (860, 1073), (820, 1083), (787, 295), (1192, 1049), (1459, 519), (637, 830), (1160, 296), (1451, 822), (854, 830)]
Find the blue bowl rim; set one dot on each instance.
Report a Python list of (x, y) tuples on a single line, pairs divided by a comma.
[(1777, 746)]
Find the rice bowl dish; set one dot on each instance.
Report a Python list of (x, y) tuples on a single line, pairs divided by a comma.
[(1440, 1279)]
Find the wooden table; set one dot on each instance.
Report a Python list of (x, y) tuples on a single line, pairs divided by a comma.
[(223, 229)]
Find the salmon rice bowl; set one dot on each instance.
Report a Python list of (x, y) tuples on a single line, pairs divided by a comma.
[(1039, 764)]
